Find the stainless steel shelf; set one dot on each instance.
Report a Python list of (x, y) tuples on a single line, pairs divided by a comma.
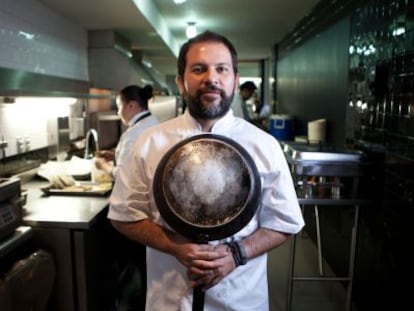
[(308, 162), (333, 202)]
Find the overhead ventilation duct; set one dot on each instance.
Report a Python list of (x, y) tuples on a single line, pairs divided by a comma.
[(111, 62), (15, 82), (146, 65)]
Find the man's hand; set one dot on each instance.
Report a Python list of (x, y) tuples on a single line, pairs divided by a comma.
[(210, 266), (206, 264), (108, 155), (100, 163)]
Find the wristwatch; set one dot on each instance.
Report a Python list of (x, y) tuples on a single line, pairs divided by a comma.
[(241, 252)]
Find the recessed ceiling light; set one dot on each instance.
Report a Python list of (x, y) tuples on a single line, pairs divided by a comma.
[(179, 1), (191, 30)]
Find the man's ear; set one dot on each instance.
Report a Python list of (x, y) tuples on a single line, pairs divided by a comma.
[(236, 82), (180, 83)]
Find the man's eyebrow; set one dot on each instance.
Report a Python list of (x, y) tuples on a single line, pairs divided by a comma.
[(198, 64), (206, 64), (224, 63)]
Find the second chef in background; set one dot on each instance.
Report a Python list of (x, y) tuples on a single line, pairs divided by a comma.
[(129, 256), (132, 102)]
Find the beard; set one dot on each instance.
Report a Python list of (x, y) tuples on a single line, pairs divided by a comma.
[(204, 108)]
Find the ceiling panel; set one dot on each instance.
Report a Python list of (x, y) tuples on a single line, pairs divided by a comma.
[(254, 26)]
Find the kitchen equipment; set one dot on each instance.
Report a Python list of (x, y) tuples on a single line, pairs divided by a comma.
[(81, 188), (108, 126), (207, 187), (11, 203), (281, 126), (94, 134), (319, 160), (58, 139), (317, 131), (324, 176), (163, 107), (28, 284)]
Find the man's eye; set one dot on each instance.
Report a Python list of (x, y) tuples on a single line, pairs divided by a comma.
[(197, 70), (222, 69)]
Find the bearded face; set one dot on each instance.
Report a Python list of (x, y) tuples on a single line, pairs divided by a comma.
[(203, 105), (208, 83)]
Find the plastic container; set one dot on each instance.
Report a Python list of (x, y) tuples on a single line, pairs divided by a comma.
[(281, 126)]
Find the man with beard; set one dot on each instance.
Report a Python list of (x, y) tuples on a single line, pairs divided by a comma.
[(207, 79)]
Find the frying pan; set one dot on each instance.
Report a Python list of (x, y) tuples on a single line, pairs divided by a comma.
[(206, 187)]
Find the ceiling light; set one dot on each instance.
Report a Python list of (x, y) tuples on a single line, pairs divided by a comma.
[(191, 30), (179, 1), (27, 35)]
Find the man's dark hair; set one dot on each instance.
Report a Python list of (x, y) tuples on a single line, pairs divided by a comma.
[(207, 36), (248, 85)]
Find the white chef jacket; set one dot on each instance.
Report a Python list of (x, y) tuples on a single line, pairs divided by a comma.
[(127, 140), (239, 107), (132, 199)]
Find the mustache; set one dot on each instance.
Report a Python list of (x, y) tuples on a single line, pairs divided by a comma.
[(211, 87)]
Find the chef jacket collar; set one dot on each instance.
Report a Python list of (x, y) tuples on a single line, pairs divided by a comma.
[(136, 117), (221, 125)]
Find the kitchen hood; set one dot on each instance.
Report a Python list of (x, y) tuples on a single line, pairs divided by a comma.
[(145, 63), (15, 83), (112, 64)]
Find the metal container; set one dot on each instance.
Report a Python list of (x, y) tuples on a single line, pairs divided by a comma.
[(318, 160), (323, 172)]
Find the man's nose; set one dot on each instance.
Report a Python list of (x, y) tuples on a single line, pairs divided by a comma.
[(212, 76)]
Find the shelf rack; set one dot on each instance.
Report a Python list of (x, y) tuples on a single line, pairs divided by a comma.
[(308, 162)]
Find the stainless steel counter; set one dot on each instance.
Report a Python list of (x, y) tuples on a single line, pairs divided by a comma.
[(72, 212), (69, 228)]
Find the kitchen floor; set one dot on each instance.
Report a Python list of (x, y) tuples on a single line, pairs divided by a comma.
[(309, 295)]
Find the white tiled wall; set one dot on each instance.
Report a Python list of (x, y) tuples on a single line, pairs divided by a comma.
[(58, 46), (28, 122)]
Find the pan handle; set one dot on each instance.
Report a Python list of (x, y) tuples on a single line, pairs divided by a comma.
[(198, 293), (198, 299)]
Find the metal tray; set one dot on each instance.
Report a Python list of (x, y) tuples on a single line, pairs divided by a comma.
[(300, 152), (81, 189)]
